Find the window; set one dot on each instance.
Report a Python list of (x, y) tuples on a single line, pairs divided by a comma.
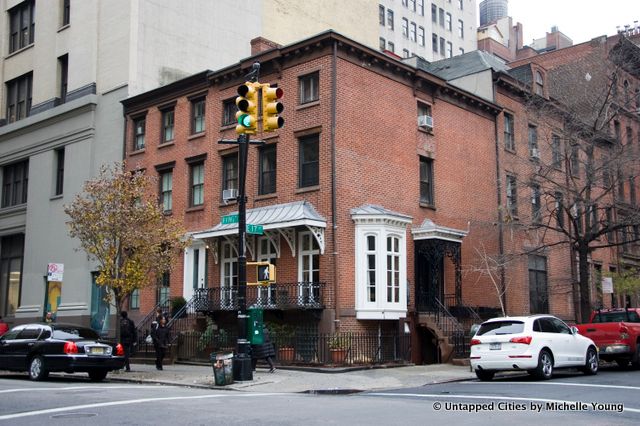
[(393, 269), (461, 51), (627, 95), (412, 5), (575, 160), (460, 28), (632, 190), (449, 49), (309, 161), (390, 19), (405, 27), (442, 52), (538, 297), (138, 133), (441, 16), (66, 12), (11, 259), (371, 268), (421, 36), (63, 69), (461, 4), (164, 290), (197, 115), (405, 53), (229, 276), (536, 208), (420, 7), (309, 88), (533, 142), (229, 110), (308, 269), (381, 14), (383, 44), (539, 84), (556, 152), (134, 299), (606, 172), (508, 132), (426, 180), (230, 172), (616, 130), (559, 207), (434, 42), (59, 158), (168, 118), (512, 196), (15, 179), (391, 47), (629, 133), (166, 190), (197, 184), (413, 32), (267, 160), (19, 97), (434, 13), (620, 185), (21, 26), (447, 21)]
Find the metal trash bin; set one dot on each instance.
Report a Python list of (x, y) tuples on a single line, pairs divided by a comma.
[(222, 368)]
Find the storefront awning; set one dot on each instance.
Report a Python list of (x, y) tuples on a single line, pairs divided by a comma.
[(278, 218)]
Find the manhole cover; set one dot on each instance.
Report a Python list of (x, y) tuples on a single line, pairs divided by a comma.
[(73, 415)]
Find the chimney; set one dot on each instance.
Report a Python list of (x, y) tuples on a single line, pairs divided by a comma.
[(260, 44)]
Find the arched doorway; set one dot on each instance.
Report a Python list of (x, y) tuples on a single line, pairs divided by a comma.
[(428, 343)]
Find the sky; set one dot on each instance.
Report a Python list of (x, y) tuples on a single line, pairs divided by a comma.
[(580, 20)]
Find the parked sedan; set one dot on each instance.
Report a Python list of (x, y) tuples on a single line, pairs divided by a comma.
[(42, 348), (537, 344)]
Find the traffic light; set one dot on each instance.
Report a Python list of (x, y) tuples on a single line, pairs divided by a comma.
[(247, 104), (266, 272), (271, 108)]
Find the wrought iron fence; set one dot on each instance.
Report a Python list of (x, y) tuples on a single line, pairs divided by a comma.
[(299, 295), (305, 348)]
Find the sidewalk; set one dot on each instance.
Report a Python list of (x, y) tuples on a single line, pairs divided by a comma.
[(290, 380)]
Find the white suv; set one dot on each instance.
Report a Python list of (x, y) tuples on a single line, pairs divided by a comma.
[(537, 344)]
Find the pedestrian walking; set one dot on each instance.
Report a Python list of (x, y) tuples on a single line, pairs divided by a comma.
[(264, 351), (127, 337), (49, 318), (4, 327), (160, 336)]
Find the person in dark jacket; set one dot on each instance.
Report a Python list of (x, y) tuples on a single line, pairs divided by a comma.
[(160, 336), (127, 337), (265, 350)]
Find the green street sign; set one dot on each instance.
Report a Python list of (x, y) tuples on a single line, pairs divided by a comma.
[(255, 229), (229, 219)]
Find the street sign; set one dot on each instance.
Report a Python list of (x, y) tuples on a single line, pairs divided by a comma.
[(229, 219), (254, 229), (55, 271)]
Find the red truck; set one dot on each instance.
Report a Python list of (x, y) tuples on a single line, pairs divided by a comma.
[(617, 334)]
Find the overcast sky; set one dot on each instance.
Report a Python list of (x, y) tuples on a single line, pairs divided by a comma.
[(580, 20)]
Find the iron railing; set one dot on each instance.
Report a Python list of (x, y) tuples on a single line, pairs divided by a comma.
[(304, 348), (451, 328), (283, 296), (144, 326), (465, 315)]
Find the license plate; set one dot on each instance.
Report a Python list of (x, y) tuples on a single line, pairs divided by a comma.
[(495, 346), (97, 351)]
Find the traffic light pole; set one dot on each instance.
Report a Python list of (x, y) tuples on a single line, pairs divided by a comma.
[(242, 370)]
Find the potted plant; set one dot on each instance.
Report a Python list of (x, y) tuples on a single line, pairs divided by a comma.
[(177, 303), (282, 335), (339, 346)]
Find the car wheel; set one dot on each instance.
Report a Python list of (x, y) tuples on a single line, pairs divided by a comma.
[(484, 375), (636, 358), (622, 363), (36, 369), (591, 364), (544, 370), (98, 375)]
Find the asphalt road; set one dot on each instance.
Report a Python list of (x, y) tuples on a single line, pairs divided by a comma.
[(511, 400)]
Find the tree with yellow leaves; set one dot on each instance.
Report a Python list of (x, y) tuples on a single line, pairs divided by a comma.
[(123, 229)]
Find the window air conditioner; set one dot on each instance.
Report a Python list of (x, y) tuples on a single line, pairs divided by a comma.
[(229, 194), (425, 121)]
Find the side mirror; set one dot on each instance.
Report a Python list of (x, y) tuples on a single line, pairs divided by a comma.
[(574, 330)]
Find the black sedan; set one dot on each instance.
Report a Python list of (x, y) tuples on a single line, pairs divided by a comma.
[(42, 348)]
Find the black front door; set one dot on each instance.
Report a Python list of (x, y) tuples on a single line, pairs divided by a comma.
[(429, 282)]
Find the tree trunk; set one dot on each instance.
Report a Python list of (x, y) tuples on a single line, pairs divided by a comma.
[(583, 273)]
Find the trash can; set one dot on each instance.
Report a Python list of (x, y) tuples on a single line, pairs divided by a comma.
[(222, 368)]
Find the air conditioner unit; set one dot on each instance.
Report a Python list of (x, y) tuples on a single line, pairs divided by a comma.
[(535, 153), (229, 195), (425, 121)]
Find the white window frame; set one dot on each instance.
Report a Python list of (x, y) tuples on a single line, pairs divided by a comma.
[(228, 275), (382, 227), (306, 287)]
